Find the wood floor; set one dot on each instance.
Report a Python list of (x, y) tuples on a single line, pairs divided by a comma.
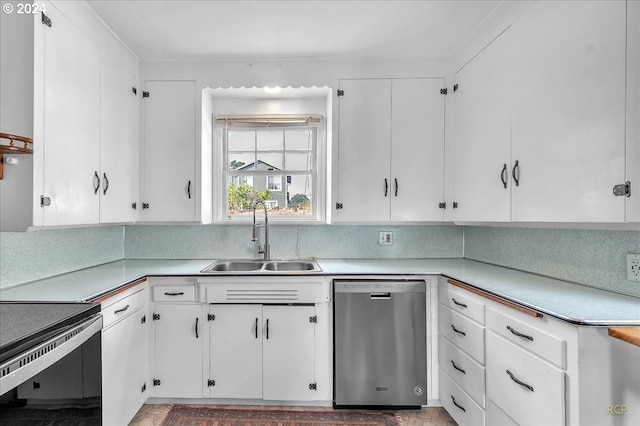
[(152, 415)]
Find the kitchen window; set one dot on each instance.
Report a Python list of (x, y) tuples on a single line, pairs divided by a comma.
[(274, 158)]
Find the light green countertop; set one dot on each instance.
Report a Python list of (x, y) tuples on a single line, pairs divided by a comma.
[(571, 302)]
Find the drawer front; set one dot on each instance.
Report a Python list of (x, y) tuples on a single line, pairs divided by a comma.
[(497, 417), (531, 337), (458, 404), (463, 332), (529, 390), (174, 293), (463, 370), (122, 307), (462, 302)]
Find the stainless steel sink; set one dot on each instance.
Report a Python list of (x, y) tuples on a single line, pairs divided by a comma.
[(291, 265), (262, 266)]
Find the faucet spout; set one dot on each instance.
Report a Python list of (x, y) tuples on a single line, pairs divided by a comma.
[(265, 249)]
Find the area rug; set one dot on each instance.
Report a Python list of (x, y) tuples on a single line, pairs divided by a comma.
[(184, 415)]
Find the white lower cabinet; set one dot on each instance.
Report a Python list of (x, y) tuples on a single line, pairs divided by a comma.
[(178, 336), (262, 352), (458, 403), (124, 355)]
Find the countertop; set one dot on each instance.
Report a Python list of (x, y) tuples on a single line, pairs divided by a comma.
[(561, 299)]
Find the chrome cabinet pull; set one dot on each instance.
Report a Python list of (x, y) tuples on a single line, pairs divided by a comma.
[(117, 311), (503, 176), (524, 336), (458, 331), (458, 303), (396, 181), (106, 184), (458, 368), (256, 328), (181, 293), (386, 186), (457, 405), (96, 182), (515, 379), (515, 173)]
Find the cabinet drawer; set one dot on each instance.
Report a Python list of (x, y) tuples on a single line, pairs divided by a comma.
[(121, 307), (458, 404), (546, 345), (174, 293), (466, 334), (463, 370), (462, 301), (529, 390), (497, 417)]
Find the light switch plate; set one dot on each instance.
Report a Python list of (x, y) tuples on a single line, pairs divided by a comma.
[(385, 238), (633, 267)]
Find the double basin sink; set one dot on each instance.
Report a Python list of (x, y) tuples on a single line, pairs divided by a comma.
[(262, 266)]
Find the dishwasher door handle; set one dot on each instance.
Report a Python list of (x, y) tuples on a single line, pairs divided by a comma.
[(380, 296)]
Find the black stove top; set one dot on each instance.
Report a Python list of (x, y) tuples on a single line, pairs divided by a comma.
[(26, 324)]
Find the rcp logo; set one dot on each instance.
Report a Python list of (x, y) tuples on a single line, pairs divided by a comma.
[(617, 409)]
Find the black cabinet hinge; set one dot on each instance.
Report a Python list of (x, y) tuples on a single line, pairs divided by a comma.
[(156, 382), (145, 94), (156, 317), (46, 20), (134, 206), (135, 91), (313, 319), (211, 317), (211, 383), (45, 201), (340, 92), (144, 387), (143, 319), (455, 204), (338, 206), (623, 189), (313, 386), (442, 205), (455, 87), (145, 206), (444, 91)]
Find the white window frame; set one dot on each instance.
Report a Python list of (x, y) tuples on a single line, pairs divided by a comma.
[(318, 171), (276, 180)]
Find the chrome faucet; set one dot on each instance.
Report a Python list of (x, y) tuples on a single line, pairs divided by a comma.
[(266, 248)]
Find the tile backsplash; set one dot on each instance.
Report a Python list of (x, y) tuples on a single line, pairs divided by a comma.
[(592, 257), (291, 241), (28, 256)]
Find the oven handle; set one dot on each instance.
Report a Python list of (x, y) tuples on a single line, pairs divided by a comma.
[(46, 354)]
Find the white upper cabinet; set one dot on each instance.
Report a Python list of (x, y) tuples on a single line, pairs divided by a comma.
[(85, 122), (391, 150), (70, 143), (539, 118), (568, 116), (118, 144), (169, 190), (482, 135)]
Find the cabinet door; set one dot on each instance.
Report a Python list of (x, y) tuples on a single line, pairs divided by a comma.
[(118, 144), (124, 369), (71, 142), (288, 353), (178, 351), (417, 157), (569, 111), (169, 151), (481, 128), (235, 355), (364, 187)]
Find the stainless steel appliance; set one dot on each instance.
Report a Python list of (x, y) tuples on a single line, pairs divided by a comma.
[(380, 343)]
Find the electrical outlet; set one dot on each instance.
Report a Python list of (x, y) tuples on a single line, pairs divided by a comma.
[(633, 267), (385, 238)]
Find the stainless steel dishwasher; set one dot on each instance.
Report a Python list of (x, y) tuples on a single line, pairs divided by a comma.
[(380, 343)]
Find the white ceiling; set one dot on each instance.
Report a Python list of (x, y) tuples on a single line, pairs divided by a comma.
[(294, 29)]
